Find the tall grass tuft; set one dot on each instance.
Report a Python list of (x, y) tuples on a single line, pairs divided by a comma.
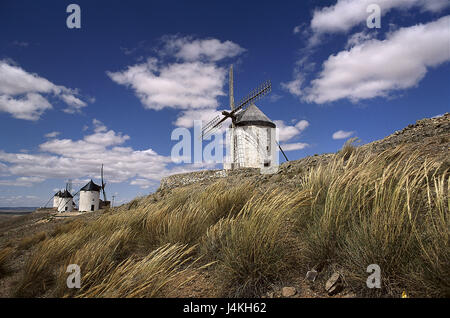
[(250, 246), (381, 209), (5, 256), (142, 278)]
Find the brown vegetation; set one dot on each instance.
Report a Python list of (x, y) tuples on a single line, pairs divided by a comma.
[(243, 234)]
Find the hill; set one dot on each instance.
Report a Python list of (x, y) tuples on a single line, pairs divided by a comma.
[(224, 234)]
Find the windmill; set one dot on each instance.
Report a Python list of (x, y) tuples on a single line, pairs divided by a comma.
[(215, 124), (250, 137)]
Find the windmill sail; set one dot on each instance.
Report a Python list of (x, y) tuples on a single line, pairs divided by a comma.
[(103, 187), (256, 94)]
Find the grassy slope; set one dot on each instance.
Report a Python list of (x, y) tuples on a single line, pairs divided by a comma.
[(238, 237)]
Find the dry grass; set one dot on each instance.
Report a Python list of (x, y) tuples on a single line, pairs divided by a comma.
[(142, 278), (250, 247), (31, 240), (385, 209), (5, 255), (390, 209)]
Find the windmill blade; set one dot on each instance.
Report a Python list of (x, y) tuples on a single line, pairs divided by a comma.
[(211, 131), (254, 95), (213, 125), (103, 186), (210, 124)]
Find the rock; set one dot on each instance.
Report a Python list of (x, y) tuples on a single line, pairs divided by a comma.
[(270, 294), (288, 291), (311, 275), (335, 289), (333, 285)]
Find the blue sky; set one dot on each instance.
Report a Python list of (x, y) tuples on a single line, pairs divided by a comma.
[(113, 91)]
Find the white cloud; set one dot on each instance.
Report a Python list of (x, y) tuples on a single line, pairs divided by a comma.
[(189, 49), (20, 200), (179, 85), (52, 134), (346, 14), (22, 181), (143, 183), (296, 30), (375, 68), (294, 146), (286, 132), (341, 134), (21, 93), (82, 159), (275, 97), (295, 86), (302, 125), (359, 38), (29, 107), (186, 76), (98, 126)]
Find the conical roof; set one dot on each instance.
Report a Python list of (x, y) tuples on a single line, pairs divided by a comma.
[(91, 186), (253, 116), (58, 194), (66, 194)]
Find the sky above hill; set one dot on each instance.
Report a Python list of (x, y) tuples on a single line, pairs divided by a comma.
[(113, 91)]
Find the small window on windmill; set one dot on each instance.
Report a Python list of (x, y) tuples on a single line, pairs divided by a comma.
[(267, 163)]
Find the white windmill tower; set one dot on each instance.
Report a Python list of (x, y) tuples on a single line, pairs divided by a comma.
[(56, 199), (89, 197), (252, 137), (65, 202)]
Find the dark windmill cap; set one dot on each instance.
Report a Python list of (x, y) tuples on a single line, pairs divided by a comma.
[(91, 186), (58, 194), (253, 116), (66, 194)]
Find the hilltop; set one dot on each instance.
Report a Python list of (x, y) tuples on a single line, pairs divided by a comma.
[(432, 135), (310, 230)]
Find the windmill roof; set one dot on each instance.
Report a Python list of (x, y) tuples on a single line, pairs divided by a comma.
[(58, 194), (253, 116), (66, 194), (91, 186)]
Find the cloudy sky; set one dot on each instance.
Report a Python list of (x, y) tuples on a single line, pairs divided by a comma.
[(113, 91)]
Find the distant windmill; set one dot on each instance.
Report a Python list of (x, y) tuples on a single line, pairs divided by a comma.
[(251, 134), (69, 185)]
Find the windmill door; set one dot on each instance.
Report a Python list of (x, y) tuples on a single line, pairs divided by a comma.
[(92, 207)]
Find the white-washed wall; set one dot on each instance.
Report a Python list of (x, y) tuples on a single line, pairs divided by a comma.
[(253, 147), (65, 205), (87, 199)]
